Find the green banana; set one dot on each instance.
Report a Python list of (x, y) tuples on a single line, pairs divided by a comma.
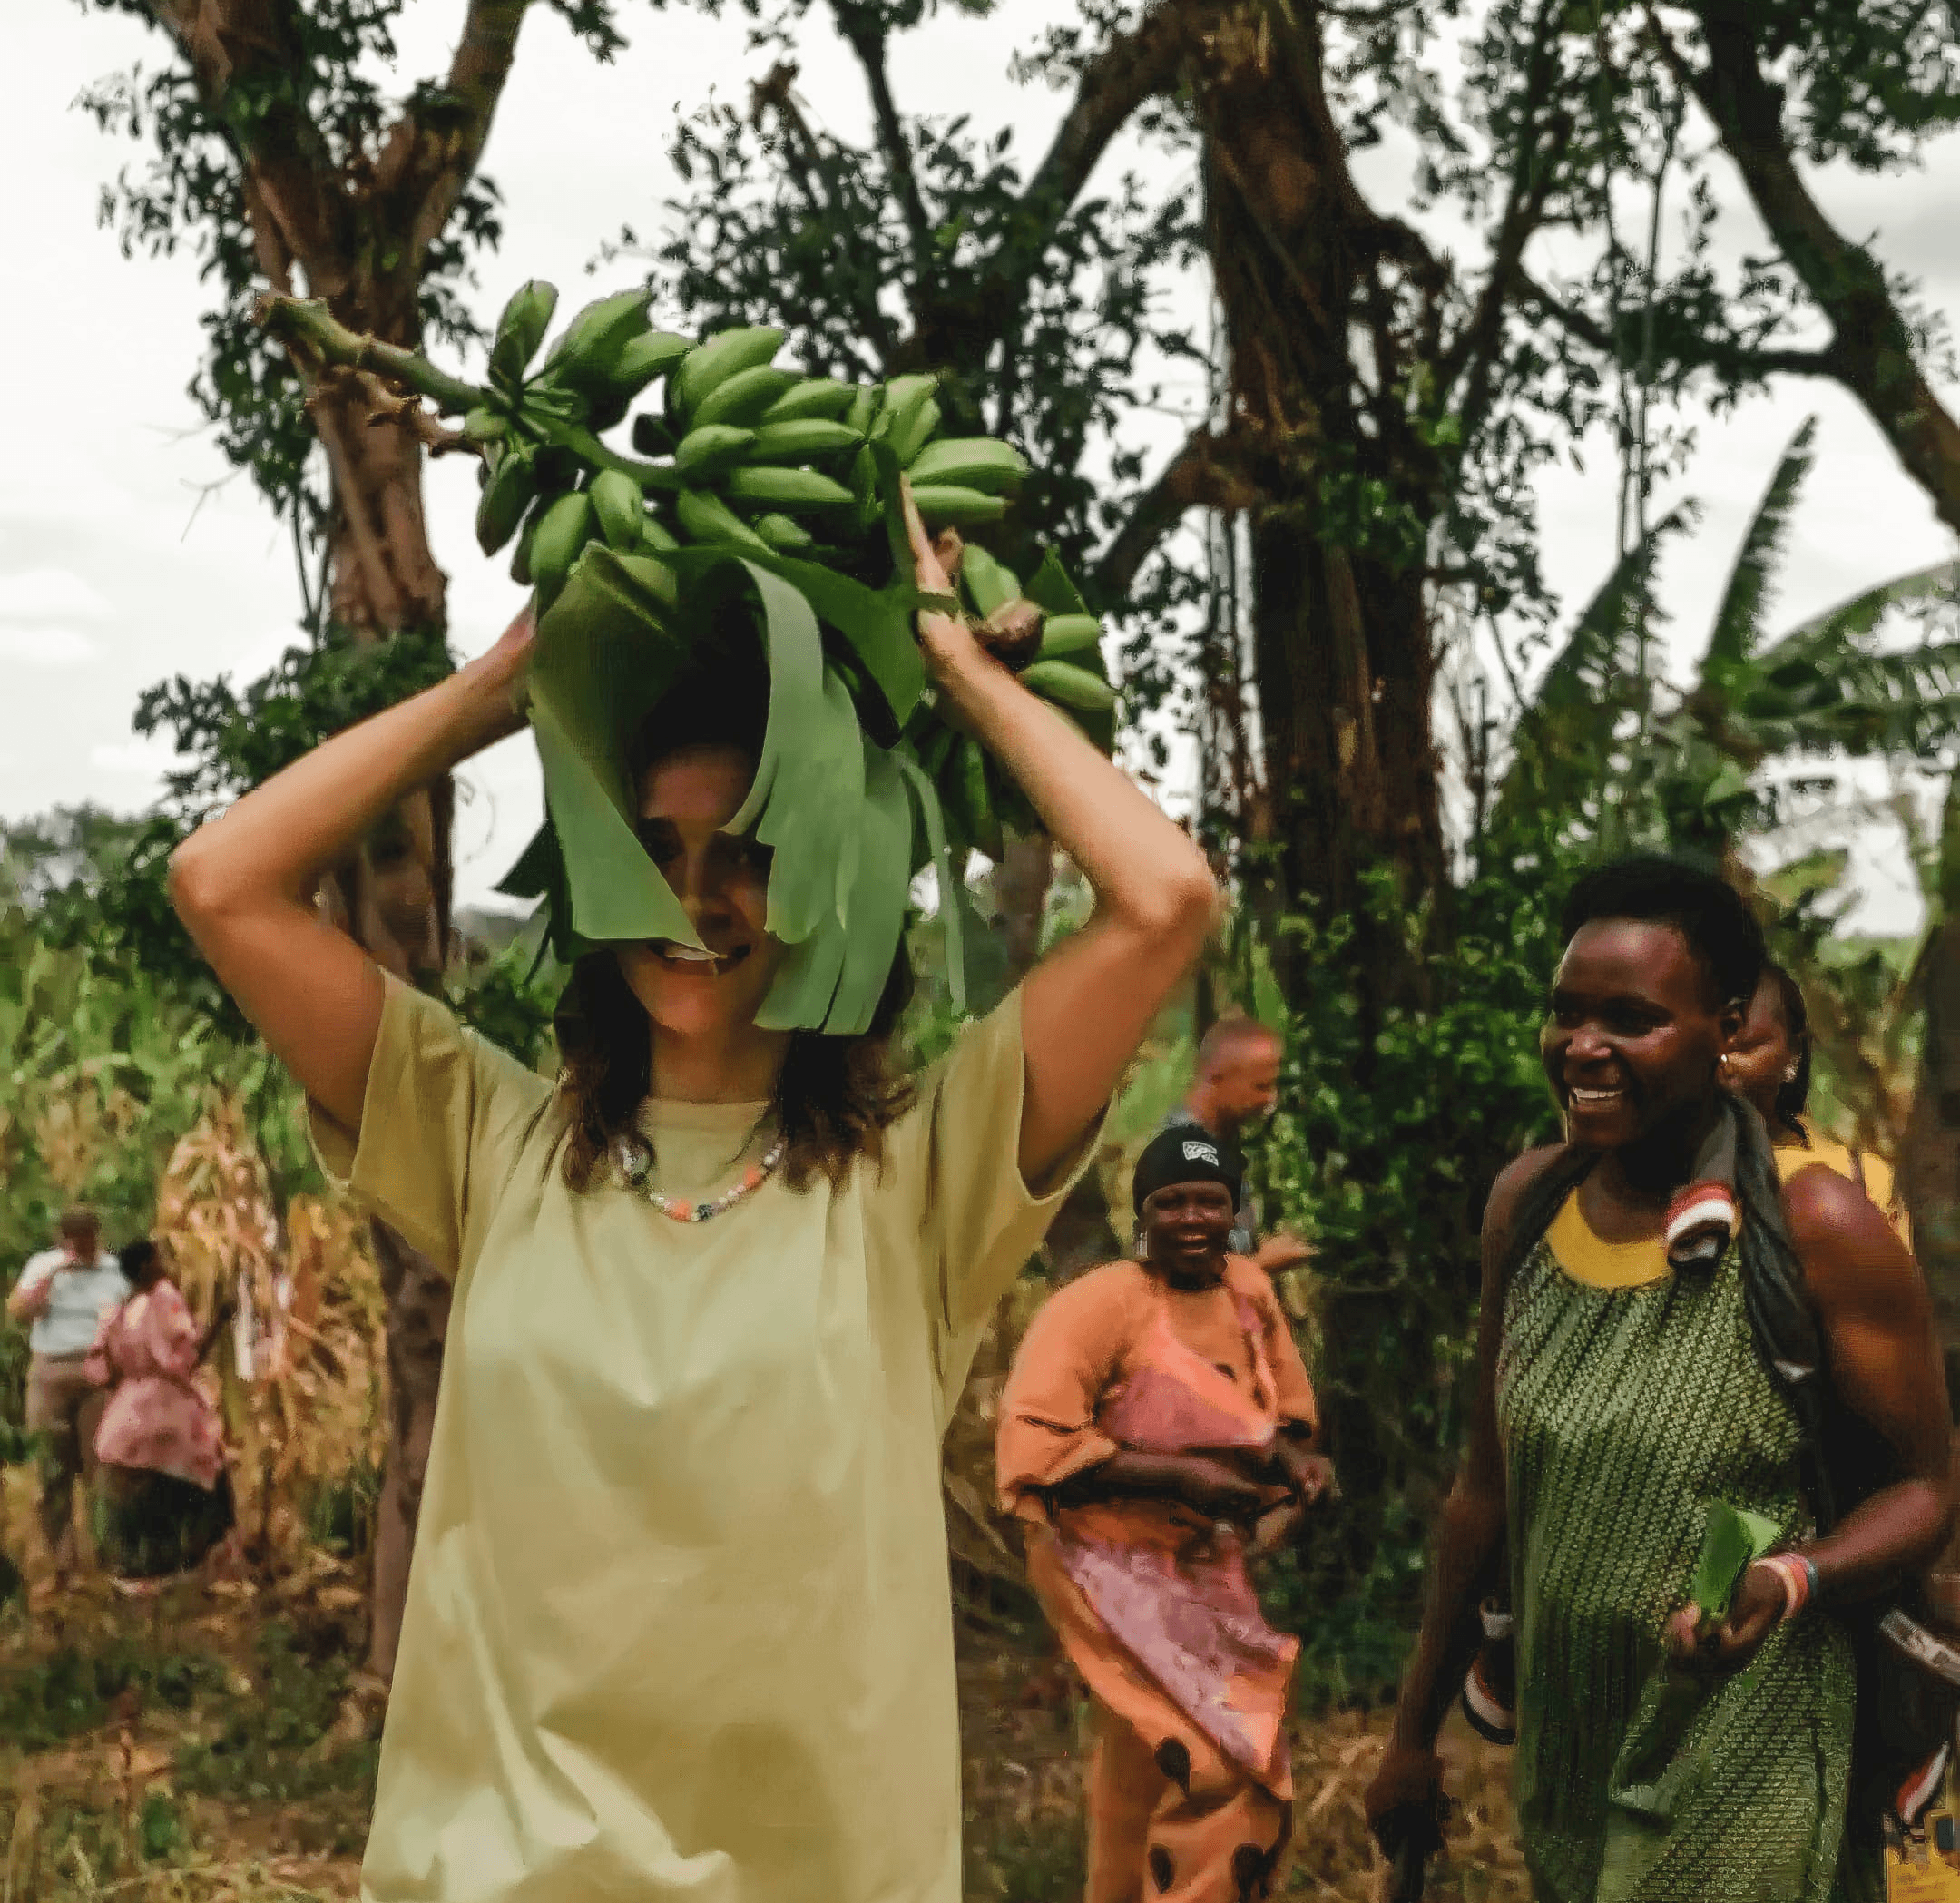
[(1064, 634), (1070, 686), (977, 798), (781, 533), (820, 397), (863, 480), (707, 518), (712, 363), (520, 330), (520, 561), (970, 463), (709, 448), (775, 487), (912, 431), (988, 585), (505, 497), (620, 505), (562, 530), (657, 535), (801, 438), (485, 425), (864, 407), (941, 506), (742, 398), (543, 404), (902, 395), (645, 358), (933, 754), (594, 341)]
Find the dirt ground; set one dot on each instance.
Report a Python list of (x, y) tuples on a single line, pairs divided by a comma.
[(1025, 1732), (188, 1751), (197, 1750)]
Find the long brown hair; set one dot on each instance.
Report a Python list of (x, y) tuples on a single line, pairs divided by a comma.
[(834, 1096)]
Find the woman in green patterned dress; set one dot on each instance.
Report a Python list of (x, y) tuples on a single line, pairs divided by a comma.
[(1621, 1393)]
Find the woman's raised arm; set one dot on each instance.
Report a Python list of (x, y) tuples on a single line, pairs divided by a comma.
[(243, 883), (1086, 1005)]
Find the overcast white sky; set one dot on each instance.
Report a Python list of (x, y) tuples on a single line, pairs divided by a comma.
[(118, 565)]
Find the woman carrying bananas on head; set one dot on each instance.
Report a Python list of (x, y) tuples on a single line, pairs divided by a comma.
[(679, 1623)]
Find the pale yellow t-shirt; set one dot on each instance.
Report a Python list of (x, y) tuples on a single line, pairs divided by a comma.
[(679, 1623)]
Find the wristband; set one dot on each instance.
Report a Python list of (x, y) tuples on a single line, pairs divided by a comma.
[(1797, 1577)]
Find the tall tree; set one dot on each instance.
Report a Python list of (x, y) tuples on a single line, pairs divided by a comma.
[(278, 155)]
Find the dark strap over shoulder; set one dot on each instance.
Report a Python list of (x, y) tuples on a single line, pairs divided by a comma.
[(1539, 1204)]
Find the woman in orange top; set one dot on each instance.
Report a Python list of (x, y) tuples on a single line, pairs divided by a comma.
[(1158, 1421)]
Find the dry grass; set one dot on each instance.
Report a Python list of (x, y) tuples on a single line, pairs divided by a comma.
[(177, 1751), (1026, 1729), (302, 1381)]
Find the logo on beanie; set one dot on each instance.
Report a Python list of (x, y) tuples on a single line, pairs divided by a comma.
[(1201, 1152)]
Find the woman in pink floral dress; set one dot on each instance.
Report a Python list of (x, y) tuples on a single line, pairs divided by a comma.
[(166, 1499), (1159, 1427)]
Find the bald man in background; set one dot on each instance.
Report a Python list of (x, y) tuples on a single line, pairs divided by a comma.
[(1235, 1091)]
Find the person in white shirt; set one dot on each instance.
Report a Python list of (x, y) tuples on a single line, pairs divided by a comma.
[(64, 1292)]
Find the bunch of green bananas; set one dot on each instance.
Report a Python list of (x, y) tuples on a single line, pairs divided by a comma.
[(738, 459)]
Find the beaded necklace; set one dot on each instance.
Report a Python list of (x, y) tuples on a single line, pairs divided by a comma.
[(633, 1157)]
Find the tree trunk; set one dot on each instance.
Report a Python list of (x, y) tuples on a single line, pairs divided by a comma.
[(1312, 287), (395, 896), (1341, 641)]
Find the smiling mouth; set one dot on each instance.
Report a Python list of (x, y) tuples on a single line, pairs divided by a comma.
[(1583, 1099), (696, 961)]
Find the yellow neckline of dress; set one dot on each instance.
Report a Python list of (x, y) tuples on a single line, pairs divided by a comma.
[(1589, 1258)]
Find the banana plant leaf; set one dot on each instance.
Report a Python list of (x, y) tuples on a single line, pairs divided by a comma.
[(877, 622), (1051, 589), (1730, 1540), (932, 818), (816, 790), (530, 875), (876, 911), (606, 652)]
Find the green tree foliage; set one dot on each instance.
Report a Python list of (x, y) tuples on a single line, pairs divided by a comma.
[(1635, 763), (1046, 308)]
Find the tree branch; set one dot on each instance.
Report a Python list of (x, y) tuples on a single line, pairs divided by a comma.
[(1135, 67), (290, 186), (1197, 476), (1740, 363), (433, 154), (1471, 359), (868, 44), (1871, 351), (774, 95)]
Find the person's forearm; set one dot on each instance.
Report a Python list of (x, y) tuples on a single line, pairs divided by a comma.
[(1472, 1530), (1893, 1533), (1184, 1478), (29, 1304), (276, 840), (1138, 865)]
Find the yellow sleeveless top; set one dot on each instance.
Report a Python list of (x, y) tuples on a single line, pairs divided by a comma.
[(1590, 1258)]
